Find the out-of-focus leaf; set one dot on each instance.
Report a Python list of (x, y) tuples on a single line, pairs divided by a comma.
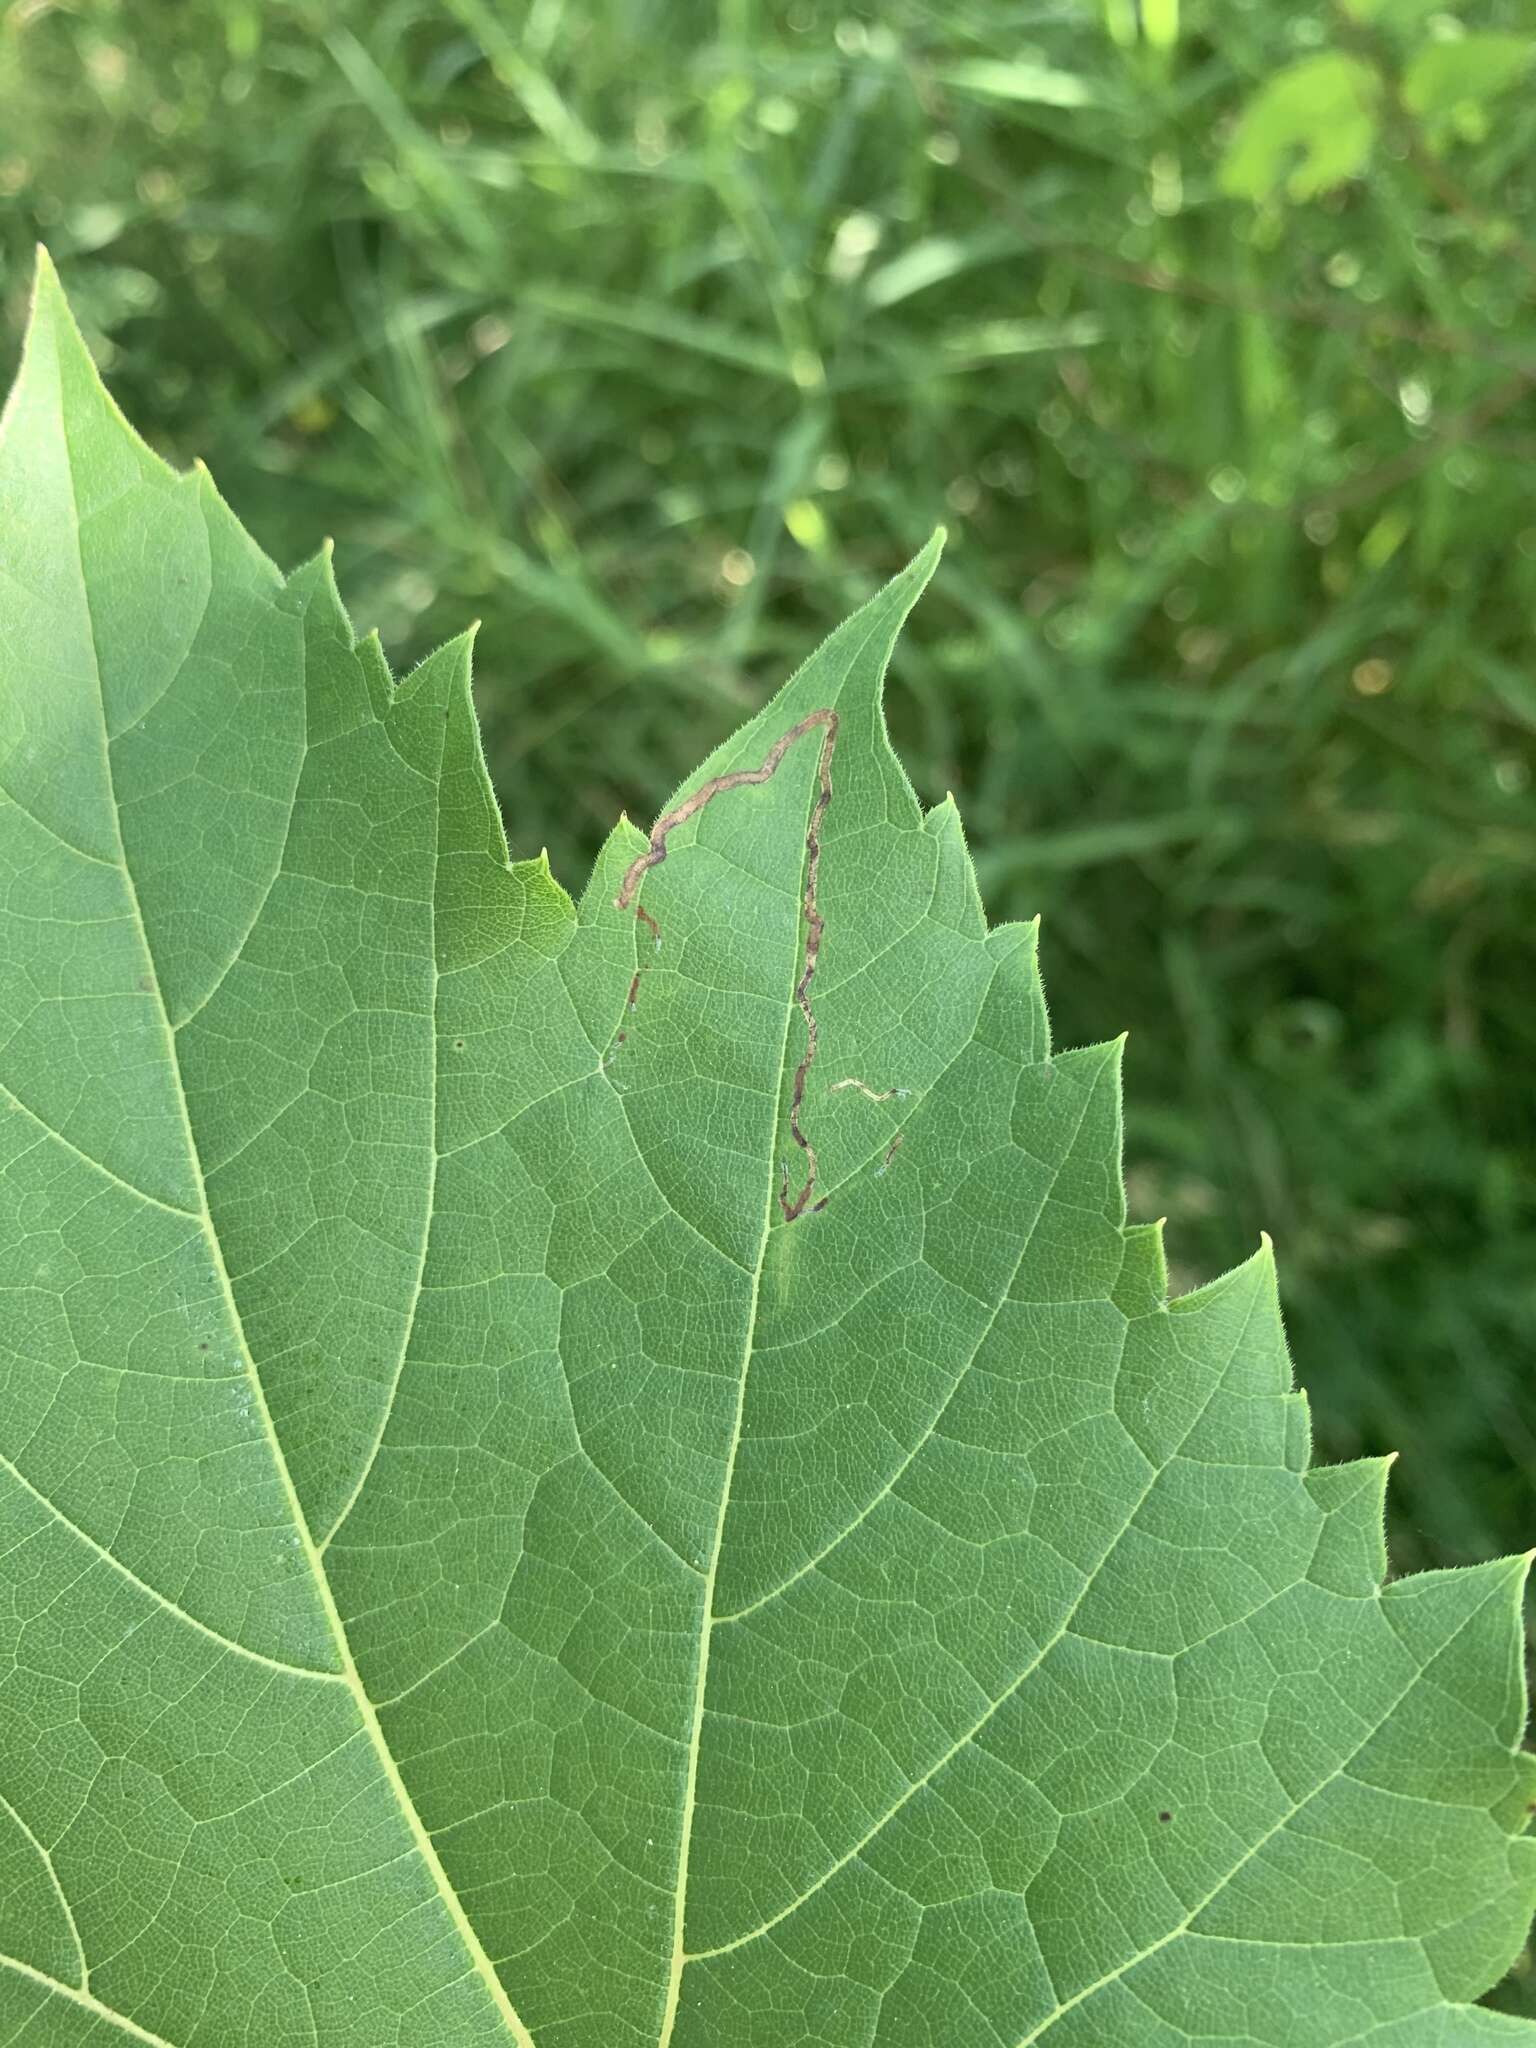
[(1029, 83), (1449, 84), (1308, 128)]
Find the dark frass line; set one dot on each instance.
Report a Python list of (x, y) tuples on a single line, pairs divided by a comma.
[(656, 852)]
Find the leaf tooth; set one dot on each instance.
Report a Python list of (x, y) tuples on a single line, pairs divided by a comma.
[(445, 671), (957, 895), (1351, 1555), (1256, 1273), (1142, 1288), (220, 514), (618, 850)]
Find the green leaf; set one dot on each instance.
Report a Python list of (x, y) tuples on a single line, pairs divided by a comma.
[(1022, 80), (1310, 127), (505, 1544), (1449, 84)]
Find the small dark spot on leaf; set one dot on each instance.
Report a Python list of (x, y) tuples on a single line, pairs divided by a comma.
[(204, 1345), (1165, 1814), (458, 1045)]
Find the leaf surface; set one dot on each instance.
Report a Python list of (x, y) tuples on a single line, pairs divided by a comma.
[(610, 1480)]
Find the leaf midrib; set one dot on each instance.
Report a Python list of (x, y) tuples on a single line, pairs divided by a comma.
[(963, 1742), (904, 1464), (680, 1956), (478, 1958)]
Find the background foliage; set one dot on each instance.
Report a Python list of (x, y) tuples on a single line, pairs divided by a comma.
[(657, 335)]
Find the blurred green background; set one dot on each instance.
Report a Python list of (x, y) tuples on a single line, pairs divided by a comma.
[(658, 334)]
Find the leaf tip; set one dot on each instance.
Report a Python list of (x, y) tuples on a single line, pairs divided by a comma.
[(1511, 1574), (56, 362), (50, 302), (908, 584), (1265, 1268), (460, 644), (926, 559)]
